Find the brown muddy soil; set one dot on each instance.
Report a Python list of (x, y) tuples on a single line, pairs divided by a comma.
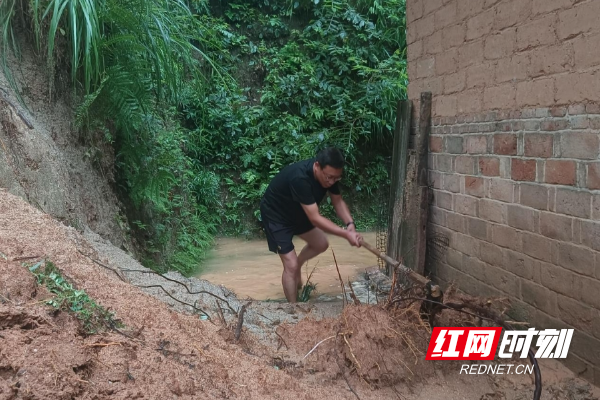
[(169, 350)]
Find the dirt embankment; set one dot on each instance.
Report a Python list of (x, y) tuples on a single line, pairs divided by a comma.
[(47, 161), (166, 352)]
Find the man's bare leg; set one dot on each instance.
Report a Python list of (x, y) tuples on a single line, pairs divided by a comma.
[(316, 243), (289, 278)]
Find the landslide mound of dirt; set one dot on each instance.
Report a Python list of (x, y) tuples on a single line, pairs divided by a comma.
[(379, 348)]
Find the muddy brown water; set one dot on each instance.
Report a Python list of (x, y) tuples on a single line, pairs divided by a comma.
[(248, 268)]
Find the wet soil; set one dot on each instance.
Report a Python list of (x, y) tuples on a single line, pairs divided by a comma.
[(168, 350)]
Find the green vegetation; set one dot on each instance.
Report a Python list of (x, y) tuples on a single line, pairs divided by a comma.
[(93, 317), (205, 102)]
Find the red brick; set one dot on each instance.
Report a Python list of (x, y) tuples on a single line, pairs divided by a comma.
[(465, 165), (576, 258), (511, 12), (491, 210), (535, 196), (551, 59), (433, 44), (499, 97), (554, 125), (501, 45), (505, 236), (521, 217), (538, 246), (469, 101), (560, 172), (556, 226), (444, 106), (435, 144), (446, 15), (581, 18), (544, 6), (579, 145), (523, 170), (501, 189), (535, 93), (465, 205), (575, 87), (474, 186), (586, 51), (538, 145), (455, 83), (446, 62), (558, 111), (537, 32), (476, 144), (467, 8), (513, 69), (480, 25), (505, 144), (576, 109), (414, 10), (480, 75), (431, 5), (593, 176), (470, 53), (592, 108), (573, 202), (489, 166)]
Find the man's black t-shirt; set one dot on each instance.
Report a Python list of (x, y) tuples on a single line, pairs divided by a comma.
[(294, 185)]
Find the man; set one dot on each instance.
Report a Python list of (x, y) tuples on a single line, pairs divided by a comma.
[(290, 206)]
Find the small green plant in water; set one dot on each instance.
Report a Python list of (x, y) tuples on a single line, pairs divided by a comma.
[(307, 289), (93, 316)]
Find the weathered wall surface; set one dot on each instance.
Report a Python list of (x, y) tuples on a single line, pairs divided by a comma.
[(514, 154)]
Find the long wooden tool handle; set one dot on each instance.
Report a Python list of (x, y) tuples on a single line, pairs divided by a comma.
[(412, 275)]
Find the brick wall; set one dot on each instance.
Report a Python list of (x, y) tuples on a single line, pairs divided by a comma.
[(515, 154)]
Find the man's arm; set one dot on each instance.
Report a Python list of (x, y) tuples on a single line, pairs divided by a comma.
[(312, 212), (341, 209)]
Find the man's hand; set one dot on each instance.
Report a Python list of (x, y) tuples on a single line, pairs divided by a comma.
[(353, 237), (351, 227)]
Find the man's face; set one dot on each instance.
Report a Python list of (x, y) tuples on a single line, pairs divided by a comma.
[(328, 176)]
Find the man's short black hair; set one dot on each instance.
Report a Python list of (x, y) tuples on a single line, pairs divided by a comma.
[(331, 156)]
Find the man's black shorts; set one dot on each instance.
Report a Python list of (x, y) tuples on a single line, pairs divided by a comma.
[(279, 236)]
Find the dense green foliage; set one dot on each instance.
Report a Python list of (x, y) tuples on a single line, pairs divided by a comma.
[(204, 104)]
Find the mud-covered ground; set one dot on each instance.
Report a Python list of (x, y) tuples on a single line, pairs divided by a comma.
[(178, 338)]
